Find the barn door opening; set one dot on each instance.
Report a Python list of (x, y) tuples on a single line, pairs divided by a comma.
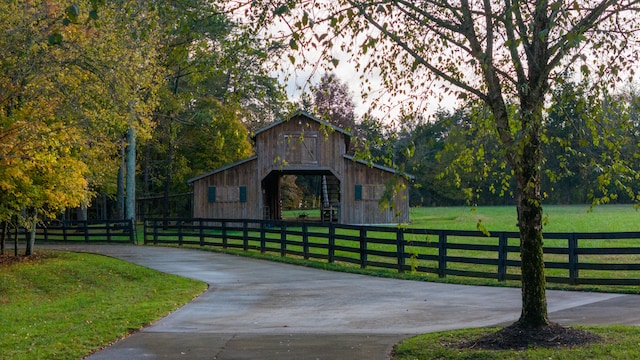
[(311, 195), (271, 197)]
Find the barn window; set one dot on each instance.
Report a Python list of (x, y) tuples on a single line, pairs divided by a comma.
[(358, 192), (243, 194), (212, 194)]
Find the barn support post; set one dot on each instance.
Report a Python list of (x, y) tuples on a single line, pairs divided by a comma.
[(503, 252), (442, 254)]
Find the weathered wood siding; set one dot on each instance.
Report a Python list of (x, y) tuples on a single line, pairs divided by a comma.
[(228, 202), (361, 206), (300, 144)]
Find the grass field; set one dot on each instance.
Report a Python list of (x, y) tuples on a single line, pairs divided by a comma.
[(558, 218), (569, 218), (65, 305)]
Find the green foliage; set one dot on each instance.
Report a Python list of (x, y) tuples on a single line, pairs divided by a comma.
[(215, 88), (69, 88)]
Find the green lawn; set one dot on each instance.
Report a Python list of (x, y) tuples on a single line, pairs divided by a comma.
[(66, 305), (559, 218), (620, 342)]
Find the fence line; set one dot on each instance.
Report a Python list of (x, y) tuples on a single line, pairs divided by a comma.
[(109, 231), (570, 258)]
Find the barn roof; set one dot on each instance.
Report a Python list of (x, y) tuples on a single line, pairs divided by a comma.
[(192, 180), (379, 167), (308, 116)]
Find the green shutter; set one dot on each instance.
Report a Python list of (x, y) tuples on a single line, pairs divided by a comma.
[(243, 194), (212, 194), (358, 192)]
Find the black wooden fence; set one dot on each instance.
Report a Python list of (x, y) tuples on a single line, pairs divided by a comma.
[(570, 258), (104, 231)]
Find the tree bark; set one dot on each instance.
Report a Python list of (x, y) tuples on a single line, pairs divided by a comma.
[(33, 214), (130, 198), (528, 177), (120, 190)]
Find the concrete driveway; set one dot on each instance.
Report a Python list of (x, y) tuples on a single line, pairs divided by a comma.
[(256, 309)]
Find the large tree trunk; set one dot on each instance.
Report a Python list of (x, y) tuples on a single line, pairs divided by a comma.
[(32, 221), (528, 178), (130, 198), (120, 191), (169, 178)]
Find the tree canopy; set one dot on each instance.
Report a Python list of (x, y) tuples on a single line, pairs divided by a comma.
[(505, 54)]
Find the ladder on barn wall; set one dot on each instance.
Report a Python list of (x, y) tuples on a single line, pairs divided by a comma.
[(330, 200)]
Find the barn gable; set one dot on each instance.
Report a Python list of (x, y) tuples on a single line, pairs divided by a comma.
[(302, 145)]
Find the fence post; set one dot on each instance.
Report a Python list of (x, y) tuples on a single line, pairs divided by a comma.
[(363, 247), (503, 252), (155, 232), (145, 228), (180, 237), (332, 242), (283, 239), (223, 225), (132, 231), (64, 231), (400, 249), (573, 259), (263, 235), (305, 240), (201, 231), (245, 235), (85, 230), (442, 254)]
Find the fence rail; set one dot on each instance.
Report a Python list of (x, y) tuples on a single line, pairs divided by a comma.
[(109, 231), (570, 258)]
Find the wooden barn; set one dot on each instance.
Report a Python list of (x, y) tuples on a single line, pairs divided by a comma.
[(351, 191)]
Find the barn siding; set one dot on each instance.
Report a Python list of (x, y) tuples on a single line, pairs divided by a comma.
[(228, 204), (367, 210), (274, 145)]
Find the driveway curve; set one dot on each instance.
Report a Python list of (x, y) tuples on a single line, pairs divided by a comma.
[(256, 309)]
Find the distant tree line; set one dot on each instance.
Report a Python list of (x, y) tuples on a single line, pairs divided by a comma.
[(456, 162)]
